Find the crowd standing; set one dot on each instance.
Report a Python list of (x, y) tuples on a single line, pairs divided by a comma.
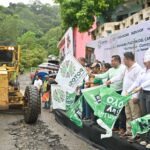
[(44, 88), (126, 77)]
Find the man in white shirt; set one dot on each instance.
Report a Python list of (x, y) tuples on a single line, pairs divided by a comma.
[(128, 76), (38, 83), (142, 84)]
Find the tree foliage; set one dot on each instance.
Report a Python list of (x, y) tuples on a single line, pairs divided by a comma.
[(36, 27), (81, 13)]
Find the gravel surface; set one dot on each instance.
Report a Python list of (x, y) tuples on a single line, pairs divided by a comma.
[(46, 134), (34, 137)]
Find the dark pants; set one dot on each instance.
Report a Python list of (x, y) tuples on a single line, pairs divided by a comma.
[(145, 102), (86, 109), (47, 105), (145, 109), (77, 97), (121, 121)]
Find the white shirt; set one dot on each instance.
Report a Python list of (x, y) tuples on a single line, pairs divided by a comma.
[(38, 83), (128, 77), (143, 80)]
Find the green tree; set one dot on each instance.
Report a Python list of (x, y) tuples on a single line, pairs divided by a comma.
[(10, 29), (81, 13), (32, 53), (36, 27), (50, 40), (28, 40)]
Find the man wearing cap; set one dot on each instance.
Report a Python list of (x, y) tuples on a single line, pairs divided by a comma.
[(142, 84), (97, 70)]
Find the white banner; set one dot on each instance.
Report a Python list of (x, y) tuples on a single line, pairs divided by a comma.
[(70, 74), (61, 99), (58, 97), (135, 38), (69, 42)]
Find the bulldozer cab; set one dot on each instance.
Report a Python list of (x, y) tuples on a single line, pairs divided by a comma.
[(6, 56), (9, 69), (10, 58)]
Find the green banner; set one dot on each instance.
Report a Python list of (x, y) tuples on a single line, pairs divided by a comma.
[(75, 112), (92, 96), (140, 125), (70, 98), (111, 105), (106, 103)]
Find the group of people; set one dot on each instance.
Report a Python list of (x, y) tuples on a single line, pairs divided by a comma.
[(126, 77), (44, 88)]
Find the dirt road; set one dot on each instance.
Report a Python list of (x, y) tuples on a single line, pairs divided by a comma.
[(47, 134)]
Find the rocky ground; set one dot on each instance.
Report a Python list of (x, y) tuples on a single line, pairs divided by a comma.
[(46, 134), (34, 137)]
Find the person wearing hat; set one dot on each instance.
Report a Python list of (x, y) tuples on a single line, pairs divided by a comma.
[(45, 97), (96, 70), (142, 84)]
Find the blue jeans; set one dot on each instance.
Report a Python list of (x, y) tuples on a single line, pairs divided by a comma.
[(47, 105), (86, 109)]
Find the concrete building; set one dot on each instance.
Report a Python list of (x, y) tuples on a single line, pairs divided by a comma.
[(127, 14), (130, 13), (112, 27), (77, 42)]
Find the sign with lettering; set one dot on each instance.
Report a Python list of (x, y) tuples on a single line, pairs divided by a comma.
[(92, 96), (107, 105), (70, 74), (134, 38)]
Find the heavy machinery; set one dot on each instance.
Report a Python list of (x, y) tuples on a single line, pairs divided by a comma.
[(10, 94)]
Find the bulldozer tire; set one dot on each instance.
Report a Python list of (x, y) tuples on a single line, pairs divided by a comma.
[(32, 104)]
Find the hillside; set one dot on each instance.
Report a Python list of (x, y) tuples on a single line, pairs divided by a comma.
[(36, 27)]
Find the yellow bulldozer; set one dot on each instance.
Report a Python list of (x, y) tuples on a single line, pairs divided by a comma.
[(10, 94)]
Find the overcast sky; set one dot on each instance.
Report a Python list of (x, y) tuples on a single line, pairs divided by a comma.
[(6, 2)]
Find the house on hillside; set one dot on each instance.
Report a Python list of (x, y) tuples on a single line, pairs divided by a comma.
[(74, 42)]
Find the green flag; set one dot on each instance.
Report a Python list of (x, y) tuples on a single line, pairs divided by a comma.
[(111, 105), (75, 112), (70, 98), (107, 105), (92, 96), (140, 125)]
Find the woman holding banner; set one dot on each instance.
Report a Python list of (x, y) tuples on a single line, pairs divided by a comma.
[(142, 84)]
